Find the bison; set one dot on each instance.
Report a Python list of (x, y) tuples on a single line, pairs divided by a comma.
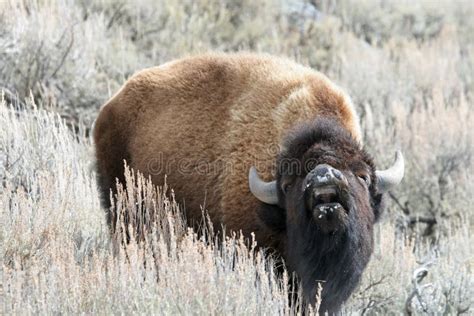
[(267, 146)]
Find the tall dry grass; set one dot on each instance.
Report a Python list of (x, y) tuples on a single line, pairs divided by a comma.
[(56, 256), (408, 65)]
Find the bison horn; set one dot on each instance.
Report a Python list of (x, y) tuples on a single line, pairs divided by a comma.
[(264, 191), (391, 177)]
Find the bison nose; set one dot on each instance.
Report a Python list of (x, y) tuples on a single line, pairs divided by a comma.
[(324, 184), (325, 175), (326, 198)]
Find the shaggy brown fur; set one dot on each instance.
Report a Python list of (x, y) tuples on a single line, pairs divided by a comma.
[(223, 112)]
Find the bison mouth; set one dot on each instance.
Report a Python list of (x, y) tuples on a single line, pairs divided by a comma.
[(326, 195), (328, 208)]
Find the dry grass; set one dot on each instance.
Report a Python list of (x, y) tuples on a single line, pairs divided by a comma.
[(409, 66), (55, 251)]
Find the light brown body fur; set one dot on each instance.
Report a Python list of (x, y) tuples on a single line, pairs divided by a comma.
[(216, 115)]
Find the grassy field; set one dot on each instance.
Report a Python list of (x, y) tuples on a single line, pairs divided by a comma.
[(408, 65)]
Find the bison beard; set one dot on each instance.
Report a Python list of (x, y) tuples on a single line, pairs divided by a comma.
[(336, 258)]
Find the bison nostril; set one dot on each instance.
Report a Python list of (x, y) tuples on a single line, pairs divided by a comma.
[(337, 174)]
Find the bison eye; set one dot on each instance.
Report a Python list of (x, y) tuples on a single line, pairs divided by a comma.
[(285, 186), (365, 178)]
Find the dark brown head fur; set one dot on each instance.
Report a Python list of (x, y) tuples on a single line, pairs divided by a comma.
[(337, 259)]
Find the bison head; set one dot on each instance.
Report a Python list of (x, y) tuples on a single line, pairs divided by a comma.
[(323, 204)]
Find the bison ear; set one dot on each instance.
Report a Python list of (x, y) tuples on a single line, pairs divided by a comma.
[(378, 205)]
